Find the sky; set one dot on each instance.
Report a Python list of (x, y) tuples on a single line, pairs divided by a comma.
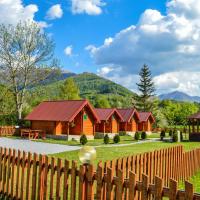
[(115, 38)]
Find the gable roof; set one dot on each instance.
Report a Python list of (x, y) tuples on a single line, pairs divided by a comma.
[(59, 110), (144, 116), (128, 113), (106, 113), (195, 116)]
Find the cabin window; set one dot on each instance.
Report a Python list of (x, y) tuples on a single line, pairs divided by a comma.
[(113, 117), (85, 117)]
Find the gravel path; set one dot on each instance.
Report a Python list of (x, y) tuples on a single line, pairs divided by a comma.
[(35, 147)]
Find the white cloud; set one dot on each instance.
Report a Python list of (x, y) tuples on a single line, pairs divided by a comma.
[(187, 82), (68, 50), (55, 12), (13, 11), (90, 7), (166, 42)]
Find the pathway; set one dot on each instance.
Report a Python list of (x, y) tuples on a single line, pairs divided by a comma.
[(35, 147)]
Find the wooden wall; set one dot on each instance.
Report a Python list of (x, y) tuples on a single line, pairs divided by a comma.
[(111, 125), (88, 123), (131, 126), (48, 126), (145, 126)]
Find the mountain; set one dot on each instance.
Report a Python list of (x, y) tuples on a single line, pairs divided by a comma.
[(179, 96), (90, 86)]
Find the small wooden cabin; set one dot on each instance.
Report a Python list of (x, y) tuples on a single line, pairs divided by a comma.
[(109, 120), (71, 117), (194, 127), (146, 121), (130, 120)]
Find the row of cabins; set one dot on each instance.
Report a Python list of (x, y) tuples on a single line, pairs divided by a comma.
[(75, 117)]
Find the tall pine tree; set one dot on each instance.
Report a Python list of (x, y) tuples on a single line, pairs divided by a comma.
[(145, 100)]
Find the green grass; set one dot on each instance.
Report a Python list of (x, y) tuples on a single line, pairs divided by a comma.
[(96, 142), (195, 180), (110, 153)]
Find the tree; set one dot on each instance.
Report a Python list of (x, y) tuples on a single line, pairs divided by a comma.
[(144, 101), (101, 102), (69, 90), (25, 53)]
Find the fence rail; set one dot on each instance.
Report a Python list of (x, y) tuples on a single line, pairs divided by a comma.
[(32, 176), (7, 130)]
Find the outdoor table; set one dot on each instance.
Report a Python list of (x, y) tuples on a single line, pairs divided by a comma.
[(33, 134)]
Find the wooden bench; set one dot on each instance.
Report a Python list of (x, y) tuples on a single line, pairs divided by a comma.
[(33, 134)]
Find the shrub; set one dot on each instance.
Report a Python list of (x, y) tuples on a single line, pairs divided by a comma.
[(175, 137), (170, 132), (137, 136), (143, 135), (106, 139), (83, 139), (116, 139), (122, 133), (162, 135)]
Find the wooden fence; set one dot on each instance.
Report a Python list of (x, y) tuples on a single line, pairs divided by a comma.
[(166, 163), (32, 176), (7, 130)]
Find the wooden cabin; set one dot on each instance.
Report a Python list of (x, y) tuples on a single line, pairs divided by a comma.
[(109, 120), (71, 117), (146, 121), (130, 117), (194, 127)]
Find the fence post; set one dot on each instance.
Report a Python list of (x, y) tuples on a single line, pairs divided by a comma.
[(89, 182), (65, 183), (189, 191), (120, 189), (81, 192), (73, 180), (158, 188), (109, 186), (145, 183), (99, 175), (132, 185), (173, 185)]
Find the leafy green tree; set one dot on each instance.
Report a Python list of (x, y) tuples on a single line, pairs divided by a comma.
[(176, 113), (69, 90), (25, 52), (144, 101), (101, 102)]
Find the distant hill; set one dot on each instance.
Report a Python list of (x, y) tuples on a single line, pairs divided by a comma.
[(90, 85), (179, 96)]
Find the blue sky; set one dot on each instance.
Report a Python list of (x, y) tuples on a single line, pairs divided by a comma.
[(81, 30), (114, 38)]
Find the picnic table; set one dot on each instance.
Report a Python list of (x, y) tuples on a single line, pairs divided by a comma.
[(33, 134)]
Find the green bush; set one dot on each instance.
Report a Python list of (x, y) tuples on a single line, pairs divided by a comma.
[(106, 139), (162, 135), (116, 139), (83, 139), (143, 135), (175, 137), (137, 136), (170, 132)]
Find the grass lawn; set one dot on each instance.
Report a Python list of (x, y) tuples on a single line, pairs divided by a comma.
[(195, 180), (110, 153), (96, 142)]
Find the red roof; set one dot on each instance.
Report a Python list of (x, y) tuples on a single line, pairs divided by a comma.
[(144, 116), (59, 110), (106, 113), (128, 113)]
